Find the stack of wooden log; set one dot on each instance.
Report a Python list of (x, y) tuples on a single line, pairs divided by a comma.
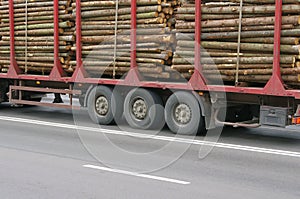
[(103, 27), (34, 30), (106, 41), (220, 33)]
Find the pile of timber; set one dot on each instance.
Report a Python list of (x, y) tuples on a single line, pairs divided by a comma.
[(105, 24), (162, 52), (34, 40), (220, 32)]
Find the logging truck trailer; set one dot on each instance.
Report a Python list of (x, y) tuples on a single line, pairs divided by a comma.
[(186, 108)]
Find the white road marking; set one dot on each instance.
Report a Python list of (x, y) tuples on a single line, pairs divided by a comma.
[(156, 137), (137, 174)]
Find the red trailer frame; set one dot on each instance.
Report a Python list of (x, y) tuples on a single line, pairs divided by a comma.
[(274, 87)]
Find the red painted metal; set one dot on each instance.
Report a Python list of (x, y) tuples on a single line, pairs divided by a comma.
[(197, 80), (275, 84), (198, 17), (253, 91), (133, 77), (79, 73), (33, 103), (133, 34), (36, 78), (45, 90), (14, 70), (277, 38), (57, 71)]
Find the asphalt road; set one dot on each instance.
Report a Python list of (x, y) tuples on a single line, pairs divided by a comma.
[(58, 153)]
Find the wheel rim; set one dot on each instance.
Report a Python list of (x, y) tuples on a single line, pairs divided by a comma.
[(182, 114), (102, 105), (139, 108)]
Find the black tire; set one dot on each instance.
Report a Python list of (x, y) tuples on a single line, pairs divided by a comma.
[(154, 114), (192, 122), (114, 105)]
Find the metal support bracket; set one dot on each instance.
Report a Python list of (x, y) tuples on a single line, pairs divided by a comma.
[(21, 88)]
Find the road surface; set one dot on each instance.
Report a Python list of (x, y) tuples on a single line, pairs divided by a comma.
[(58, 153)]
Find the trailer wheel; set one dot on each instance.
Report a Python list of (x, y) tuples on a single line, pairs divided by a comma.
[(104, 105), (183, 114), (143, 109)]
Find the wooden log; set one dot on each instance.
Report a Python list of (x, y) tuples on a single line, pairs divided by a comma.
[(121, 11), (188, 53), (121, 26), (246, 28), (243, 66), (123, 50), (270, 40), (121, 59), (4, 5), (69, 38), (33, 9), (33, 14), (113, 3), (35, 48), (244, 46), (256, 9), (232, 60), (235, 22), (123, 69), (39, 18), (149, 15), (29, 43), (108, 54), (35, 32), (160, 38), (37, 64), (65, 24), (246, 72), (265, 1)]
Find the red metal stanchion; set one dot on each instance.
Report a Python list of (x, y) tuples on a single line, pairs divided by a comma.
[(277, 38), (13, 70), (197, 80), (198, 17), (57, 70), (133, 35), (133, 76), (79, 73), (275, 84)]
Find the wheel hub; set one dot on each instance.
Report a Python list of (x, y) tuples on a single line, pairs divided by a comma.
[(139, 109), (183, 113), (102, 105)]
